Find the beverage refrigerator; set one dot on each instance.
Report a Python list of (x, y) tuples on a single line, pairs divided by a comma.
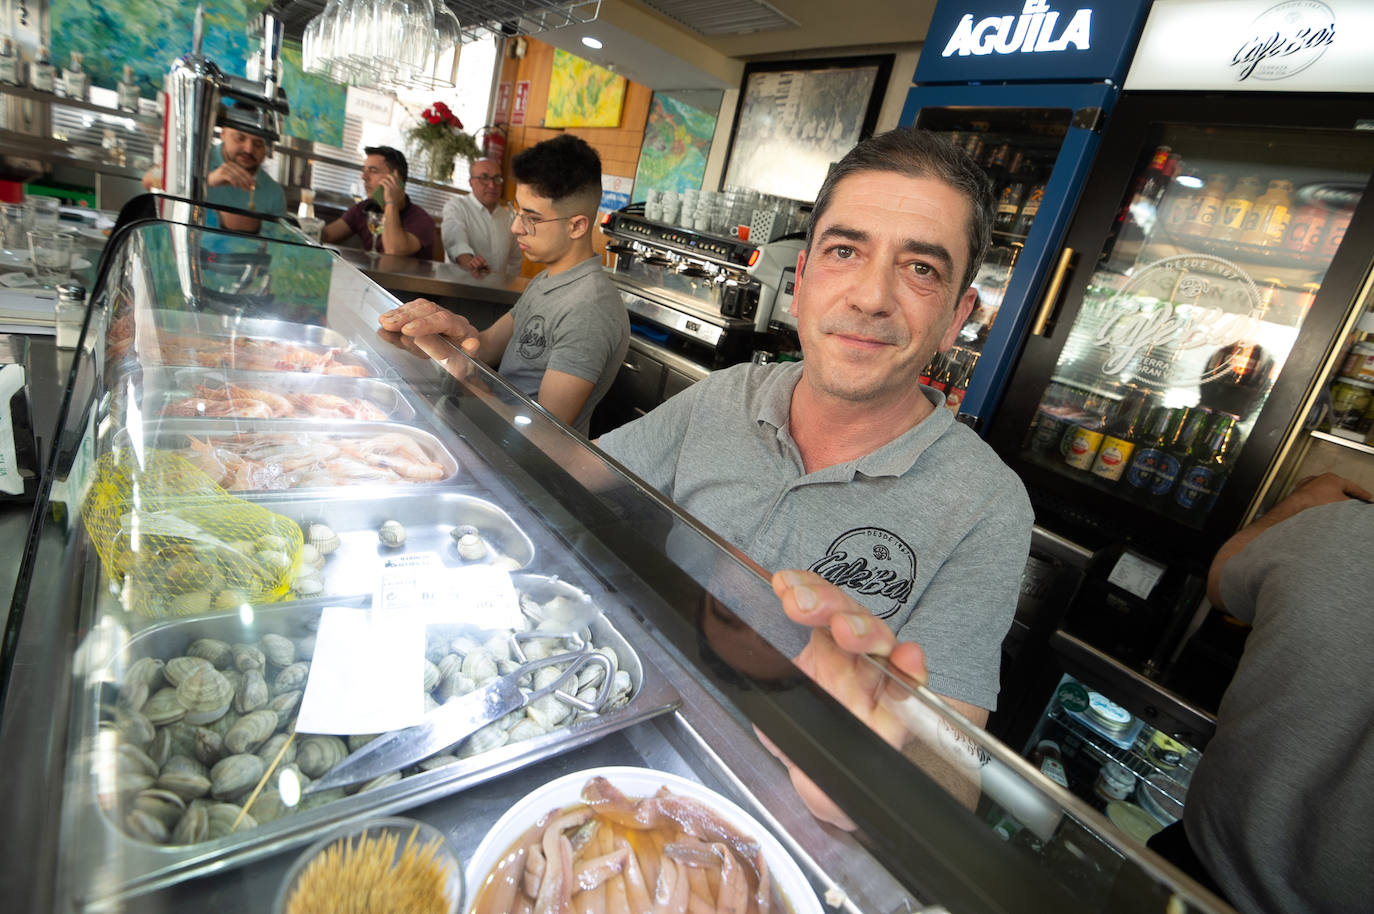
[(1210, 280), (1026, 88)]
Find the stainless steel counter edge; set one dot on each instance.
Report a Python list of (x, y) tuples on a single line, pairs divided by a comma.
[(433, 278)]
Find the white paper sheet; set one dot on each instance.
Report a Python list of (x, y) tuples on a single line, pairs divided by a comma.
[(367, 673), (479, 595)]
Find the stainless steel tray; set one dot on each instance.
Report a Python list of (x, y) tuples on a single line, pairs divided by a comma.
[(428, 518), (107, 864), (244, 344), (163, 390), (304, 466)]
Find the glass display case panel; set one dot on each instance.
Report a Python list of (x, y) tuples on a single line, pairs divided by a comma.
[(215, 544), (1196, 300), (1017, 147)]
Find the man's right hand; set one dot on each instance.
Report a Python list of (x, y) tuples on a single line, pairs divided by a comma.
[(232, 174), (423, 317), (474, 264)]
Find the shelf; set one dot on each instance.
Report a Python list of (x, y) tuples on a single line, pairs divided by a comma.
[(53, 98), (1278, 258), (1343, 442), (1135, 758)]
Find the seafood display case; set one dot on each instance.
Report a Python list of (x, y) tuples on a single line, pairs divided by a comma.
[(291, 574)]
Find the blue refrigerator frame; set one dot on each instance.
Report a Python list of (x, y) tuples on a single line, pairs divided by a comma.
[(1067, 179)]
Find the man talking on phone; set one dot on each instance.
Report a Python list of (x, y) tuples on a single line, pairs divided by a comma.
[(386, 221)]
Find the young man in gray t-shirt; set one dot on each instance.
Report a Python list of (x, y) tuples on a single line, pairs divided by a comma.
[(566, 337)]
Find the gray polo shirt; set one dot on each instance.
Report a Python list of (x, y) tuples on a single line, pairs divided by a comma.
[(575, 323), (930, 531)]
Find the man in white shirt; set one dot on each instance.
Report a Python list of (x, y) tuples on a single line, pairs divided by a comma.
[(476, 236)]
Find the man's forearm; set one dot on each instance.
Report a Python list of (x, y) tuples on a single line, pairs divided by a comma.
[(395, 239)]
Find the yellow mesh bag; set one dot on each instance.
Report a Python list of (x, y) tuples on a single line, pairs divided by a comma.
[(177, 544)]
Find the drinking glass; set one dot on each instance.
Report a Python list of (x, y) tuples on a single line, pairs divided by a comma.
[(52, 255), (374, 225), (312, 228), (41, 213), (12, 237)]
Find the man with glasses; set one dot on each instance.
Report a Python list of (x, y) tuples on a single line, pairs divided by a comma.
[(564, 340), (398, 225), (477, 233)]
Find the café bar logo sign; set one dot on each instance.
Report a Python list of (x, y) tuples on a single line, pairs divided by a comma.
[(1285, 39), (1033, 32), (1181, 303)]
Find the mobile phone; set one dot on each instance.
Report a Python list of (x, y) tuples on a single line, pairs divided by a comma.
[(379, 196)]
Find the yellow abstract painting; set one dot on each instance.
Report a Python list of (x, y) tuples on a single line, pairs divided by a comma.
[(581, 94)]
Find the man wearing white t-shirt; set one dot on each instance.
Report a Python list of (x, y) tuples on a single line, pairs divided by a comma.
[(476, 236)]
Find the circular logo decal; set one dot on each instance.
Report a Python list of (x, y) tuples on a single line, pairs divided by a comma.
[(874, 563), (1286, 39), (533, 340)]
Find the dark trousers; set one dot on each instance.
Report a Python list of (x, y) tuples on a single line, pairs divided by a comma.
[(1173, 845)]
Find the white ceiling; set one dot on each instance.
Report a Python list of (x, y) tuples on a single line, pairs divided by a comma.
[(653, 49)]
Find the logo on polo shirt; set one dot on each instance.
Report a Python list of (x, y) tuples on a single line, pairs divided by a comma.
[(873, 562), (532, 341)]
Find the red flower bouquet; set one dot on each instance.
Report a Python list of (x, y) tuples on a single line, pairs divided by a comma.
[(439, 139)]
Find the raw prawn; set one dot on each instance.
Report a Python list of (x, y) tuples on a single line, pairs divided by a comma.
[(400, 453)]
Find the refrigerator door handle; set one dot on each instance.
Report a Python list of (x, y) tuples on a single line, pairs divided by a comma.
[(1051, 300)]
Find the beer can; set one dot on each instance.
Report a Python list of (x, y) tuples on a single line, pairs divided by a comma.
[(1081, 444), (1350, 408)]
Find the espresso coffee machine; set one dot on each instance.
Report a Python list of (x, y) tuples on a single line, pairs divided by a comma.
[(697, 302)]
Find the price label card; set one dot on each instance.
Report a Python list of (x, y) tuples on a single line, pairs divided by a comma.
[(366, 675), (1135, 574), (419, 585)]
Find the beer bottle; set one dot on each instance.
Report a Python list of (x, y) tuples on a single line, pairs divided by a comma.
[(954, 394), (1335, 232), (1051, 419), (1236, 209), (1199, 484), (932, 368), (1008, 204), (996, 163), (1120, 439), (1206, 209), (1163, 425), (1181, 451), (1029, 209), (940, 380), (1267, 221), (1306, 228), (1180, 202)]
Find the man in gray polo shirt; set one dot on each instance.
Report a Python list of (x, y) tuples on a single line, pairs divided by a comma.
[(843, 464), (566, 337)]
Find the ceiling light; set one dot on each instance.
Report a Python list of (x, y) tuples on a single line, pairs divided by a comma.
[(1189, 180), (593, 43)]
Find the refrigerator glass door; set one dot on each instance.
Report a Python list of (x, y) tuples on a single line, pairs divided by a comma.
[(1198, 296), (1018, 148)]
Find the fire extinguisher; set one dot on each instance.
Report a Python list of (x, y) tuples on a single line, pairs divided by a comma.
[(494, 143)]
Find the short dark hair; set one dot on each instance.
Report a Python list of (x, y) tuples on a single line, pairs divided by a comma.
[(394, 160), (918, 153), (564, 168)]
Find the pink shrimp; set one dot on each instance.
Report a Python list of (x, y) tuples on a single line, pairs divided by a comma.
[(278, 405)]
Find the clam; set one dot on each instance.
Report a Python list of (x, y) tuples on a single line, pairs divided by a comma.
[(194, 826), (479, 667), (133, 696), (135, 728), (305, 647), (449, 665), (269, 806), (278, 650), (548, 712), (161, 746), (432, 676), (230, 599), (212, 649), (620, 691), (209, 746), (308, 585), (391, 777), (272, 542), (438, 761), (291, 678), (251, 731), (392, 534), (317, 754), (252, 692), (322, 538), (469, 543), (191, 603), (489, 737), (134, 760), (179, 669), (165, 805), (311, 557), (268, 750), (234, 774), (225, 722), (506, 563), (247, 657), (358, 740), (205, 695), (147, 670), (185, 777), (525, 729), (274, 560), (221, 818), (455, 685), (285, 703), (145, 827)]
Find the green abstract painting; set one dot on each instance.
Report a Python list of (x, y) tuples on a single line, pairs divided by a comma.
[(150, 34), (317, 104), (581, 94), (677, 140)]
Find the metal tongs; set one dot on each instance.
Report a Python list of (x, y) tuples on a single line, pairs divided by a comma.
[(460, 717)]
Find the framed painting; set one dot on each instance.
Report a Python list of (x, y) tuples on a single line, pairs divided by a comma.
[(795, 118), (581, 94)]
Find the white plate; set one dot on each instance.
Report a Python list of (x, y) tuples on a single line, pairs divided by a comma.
[(635, 783)]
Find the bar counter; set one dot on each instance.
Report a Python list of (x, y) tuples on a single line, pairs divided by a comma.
[(408, 277)]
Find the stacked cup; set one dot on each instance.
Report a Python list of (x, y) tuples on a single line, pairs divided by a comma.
[(653, 205)]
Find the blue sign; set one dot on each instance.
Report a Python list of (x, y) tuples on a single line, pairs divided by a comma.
[(980, 41)]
